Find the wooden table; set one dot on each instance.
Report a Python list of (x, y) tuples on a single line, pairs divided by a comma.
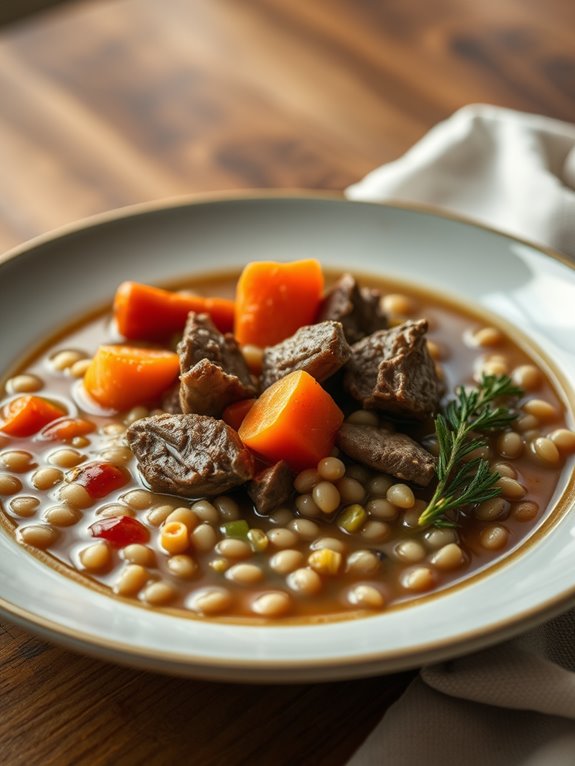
[(107, 103)]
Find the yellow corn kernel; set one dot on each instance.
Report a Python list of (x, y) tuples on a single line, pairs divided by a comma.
[(258, 540), (219, 565), (175, 537), (325, 561)]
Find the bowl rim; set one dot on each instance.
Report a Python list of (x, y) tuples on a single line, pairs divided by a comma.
[(177, 662), (202, 198), (400, 659)]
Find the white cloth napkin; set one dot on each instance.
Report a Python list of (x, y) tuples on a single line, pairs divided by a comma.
[(511, 170), (513, 704)]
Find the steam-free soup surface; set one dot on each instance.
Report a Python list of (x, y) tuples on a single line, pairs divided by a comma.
[(298, 562)]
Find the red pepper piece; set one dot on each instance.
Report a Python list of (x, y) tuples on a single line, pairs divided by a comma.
[(120, 531), (99, 479)]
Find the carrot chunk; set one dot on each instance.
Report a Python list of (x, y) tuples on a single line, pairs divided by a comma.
[(143, 312), (66, 429), (274, 299), (234, 413), (122, 376), (26, 415), (294, 420)]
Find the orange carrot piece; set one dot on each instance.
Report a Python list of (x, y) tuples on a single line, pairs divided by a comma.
[(66, 429), (26, 415), (274, 299), (235, 413), (122, 376), (295, 420), (143, 312)]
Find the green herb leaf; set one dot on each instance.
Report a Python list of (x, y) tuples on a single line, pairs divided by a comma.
[(460, 431)]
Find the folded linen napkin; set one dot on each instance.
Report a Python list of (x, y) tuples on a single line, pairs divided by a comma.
[(513, 704), (511, 170)]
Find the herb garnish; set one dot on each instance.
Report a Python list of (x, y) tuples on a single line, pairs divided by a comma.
[(461, 431)]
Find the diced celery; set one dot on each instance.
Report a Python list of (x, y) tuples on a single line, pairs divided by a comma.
[(239, 529), (352, 518)]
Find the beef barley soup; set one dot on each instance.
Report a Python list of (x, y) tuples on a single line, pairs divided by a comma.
[(276, 448)]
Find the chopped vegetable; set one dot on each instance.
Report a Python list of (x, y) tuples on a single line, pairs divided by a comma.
[(258, 540), (99, 479), (120, 531), (143, 312), (274, 299), (294, 420), (352, 518), (66, 429), (122, 376), (235, 413), (239, 529), (325, 561), (26, 415)]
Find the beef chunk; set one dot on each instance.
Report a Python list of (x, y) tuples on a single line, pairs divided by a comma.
[(392, 371), (213, 370), (319, 349), (189, 455), (171, 400), (271, 488), (358, 310), (393, 453)]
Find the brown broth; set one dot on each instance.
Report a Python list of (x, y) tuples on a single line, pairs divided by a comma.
[(448, 325)]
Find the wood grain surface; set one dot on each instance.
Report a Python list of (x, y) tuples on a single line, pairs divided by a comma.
[(15, 10), (108, 103)]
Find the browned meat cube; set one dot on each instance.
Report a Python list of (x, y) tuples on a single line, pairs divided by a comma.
[(358, 309), (393, 453), (271, 488), (189, 455), (171, 399), (318, 349), (213, 370), (392, 371)]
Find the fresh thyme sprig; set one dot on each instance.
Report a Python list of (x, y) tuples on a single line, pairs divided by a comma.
[(460, 431)]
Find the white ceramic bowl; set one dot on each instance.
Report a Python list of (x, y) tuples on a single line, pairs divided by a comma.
[(50, 281)]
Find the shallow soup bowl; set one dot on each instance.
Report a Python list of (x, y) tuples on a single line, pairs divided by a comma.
[(55, 280)]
